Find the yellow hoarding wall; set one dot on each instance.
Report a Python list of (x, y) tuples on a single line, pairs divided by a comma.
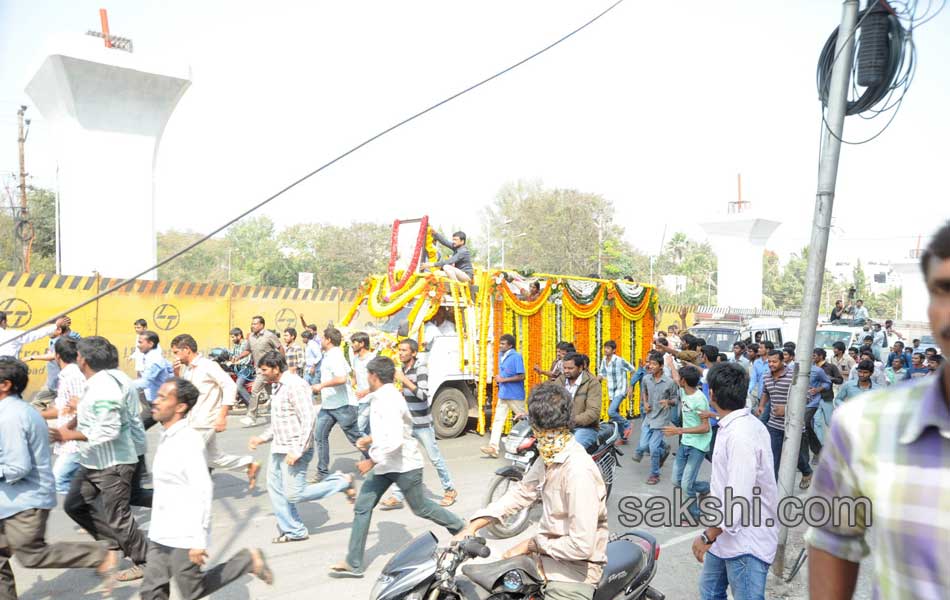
[(207, 311)]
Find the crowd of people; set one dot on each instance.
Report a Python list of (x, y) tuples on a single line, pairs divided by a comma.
[(83, 439)]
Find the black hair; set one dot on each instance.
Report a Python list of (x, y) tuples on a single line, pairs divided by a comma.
[(656, 357), (768, 345), (939, 247), (711, 353), (789, 344), (754, 347), (333, 335), (185, 391), (853, 349), (867, 352), (839, 346), (663, 342), (141, 323), (722, 357), (921, 355), (460, 235), (65, 349), (610, 344), (306, 334), (507, 337), (820, 352), (690, 341), (915, 340), (237, 331), (741, 345), (691, 375), (869, 337), (777, 353), (728, 385), (899, 342), (931, 351), (274, 360), (185, 341), (565, 346), (97, 352), (576, 358), (360, 337), (866, 365), (3, 316), (17, 373), (151, 337), (382, 367), (291, 331), (258, 318), (411, 342), (550, 406), (700, 343), (789, 351), (937, 358)]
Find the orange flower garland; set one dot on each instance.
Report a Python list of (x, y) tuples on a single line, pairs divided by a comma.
[(535, 348), (582, 335)]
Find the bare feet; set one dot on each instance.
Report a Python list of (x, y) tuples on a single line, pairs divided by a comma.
[(106, 570), (260, 568), (252, 470)]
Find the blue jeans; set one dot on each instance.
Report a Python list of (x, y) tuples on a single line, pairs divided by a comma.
[(614, 412), (686, 470), (778, 440), (657, 448), (586, 437), (426, 437), (766, 413), (644, 444), (744, 574), (362, 418), (64, 468), (346, 417), (287, 486), (242, 393)]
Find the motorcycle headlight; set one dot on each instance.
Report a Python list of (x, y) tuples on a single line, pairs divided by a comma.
[(512, 581)]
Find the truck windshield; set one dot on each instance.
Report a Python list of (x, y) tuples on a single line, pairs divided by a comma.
[(826, 338), (723, 338), (395, 320)]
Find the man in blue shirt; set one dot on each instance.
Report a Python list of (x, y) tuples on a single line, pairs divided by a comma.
[(510, 380), (157, 370), (26, 490)]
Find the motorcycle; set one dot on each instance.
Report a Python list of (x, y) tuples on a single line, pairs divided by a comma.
[(246, 371), (521, 449), (421, 570)]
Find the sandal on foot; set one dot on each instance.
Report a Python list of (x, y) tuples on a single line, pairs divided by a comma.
[(284, 538), (131, 574), (261, 569), (343, 569), (390, 503), (449, 498), (350, 491)]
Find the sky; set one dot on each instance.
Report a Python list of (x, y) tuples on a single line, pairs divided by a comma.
[(657, 107)]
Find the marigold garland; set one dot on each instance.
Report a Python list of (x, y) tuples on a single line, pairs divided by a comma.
[(525, 309), (583, 311), (582, 335)]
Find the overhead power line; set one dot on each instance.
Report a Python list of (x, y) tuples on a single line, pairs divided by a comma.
[(333, 161)]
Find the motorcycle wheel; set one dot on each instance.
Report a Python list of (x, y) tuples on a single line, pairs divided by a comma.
[(514, 524)]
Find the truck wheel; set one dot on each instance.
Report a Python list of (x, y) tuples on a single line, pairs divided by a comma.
[(449, 413)]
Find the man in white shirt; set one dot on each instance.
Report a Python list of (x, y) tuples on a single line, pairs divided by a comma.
[(361, 355), (10, 344), (138, 357), (394, 458), (180, 531), (216, 395), (734, 554), (439, 325), (337, 399)]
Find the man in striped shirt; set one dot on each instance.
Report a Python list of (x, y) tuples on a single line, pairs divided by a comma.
[(775, 389), (414, 378), (111, 438)]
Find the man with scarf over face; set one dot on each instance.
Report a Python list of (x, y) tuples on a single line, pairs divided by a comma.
[(571, 543)]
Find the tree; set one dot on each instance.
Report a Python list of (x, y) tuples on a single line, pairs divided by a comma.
[(206, 262), (337, 256), (556, 231), (693, 260)]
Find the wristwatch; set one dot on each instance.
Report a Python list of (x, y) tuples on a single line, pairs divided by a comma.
[(706, 539)]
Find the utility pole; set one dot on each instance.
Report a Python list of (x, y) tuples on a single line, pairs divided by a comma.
[(24, 210), (832, 130)]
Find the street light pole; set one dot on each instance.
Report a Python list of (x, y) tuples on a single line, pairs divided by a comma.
[(817, 251)]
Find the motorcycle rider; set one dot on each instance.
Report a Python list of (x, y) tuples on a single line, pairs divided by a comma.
[(571, 544)]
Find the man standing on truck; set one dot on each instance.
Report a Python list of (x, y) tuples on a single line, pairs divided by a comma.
[(510, 380), (457, 267)]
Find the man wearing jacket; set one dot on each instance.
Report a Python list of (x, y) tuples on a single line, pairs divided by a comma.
[(586, 393)]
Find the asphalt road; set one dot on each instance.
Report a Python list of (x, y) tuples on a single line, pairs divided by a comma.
[(242, 519)]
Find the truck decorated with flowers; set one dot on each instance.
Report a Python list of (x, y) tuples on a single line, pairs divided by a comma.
[(538, 309)]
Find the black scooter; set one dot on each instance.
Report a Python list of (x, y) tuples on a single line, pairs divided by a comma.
[(423, 571)]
